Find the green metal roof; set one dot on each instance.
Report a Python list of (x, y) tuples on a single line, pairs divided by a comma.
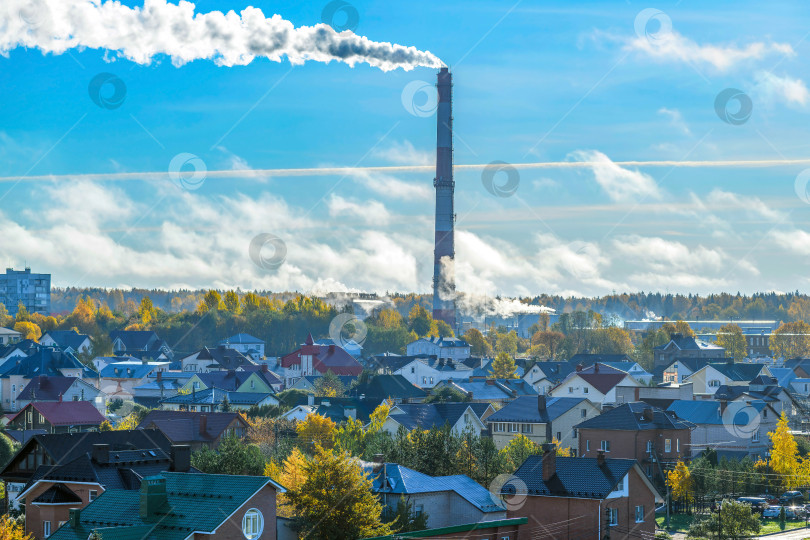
[(428, 533), (196, 502)]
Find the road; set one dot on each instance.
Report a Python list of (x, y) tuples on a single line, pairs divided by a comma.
[(796, 534)]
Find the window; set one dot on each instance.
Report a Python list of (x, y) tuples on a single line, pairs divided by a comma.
[(620, 485), (755, 436), (574, 434), (667, 445), (604, 446), (584, 413), (413, 370), (252, 384), (714, 383), (559, 436), (252, 524), (513, 428), (526, 428), (570, 389), (764, 413), (424, 380), (585, 390), (195, 385), (677, 445), (46, 529), (93, 493), (587, 446), (649, 446), (639, 514), (613, 516), (431, 380), (418, 509), (75, 398)]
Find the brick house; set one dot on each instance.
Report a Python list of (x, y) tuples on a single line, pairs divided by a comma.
[(179, 506), (55, 490), (638, 431), (598, 383), (196, 429), (566, 497)]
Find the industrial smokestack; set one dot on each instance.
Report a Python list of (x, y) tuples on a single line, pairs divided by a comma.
[(444, 282)]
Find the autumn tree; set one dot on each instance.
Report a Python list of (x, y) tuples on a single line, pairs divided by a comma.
[(231, 302), (503, 367), (232, 456), (479, 346), (11, 529), (335, 501), (791, 340), (28, 330), (421, 322), (329, 385), (785, 460), (291, 475), (519, 448), (146, 312), (679, 480), (731, 338), (682, 327), (316, 430), (733, 521), (444, 329), (551, 340), (211, 301)]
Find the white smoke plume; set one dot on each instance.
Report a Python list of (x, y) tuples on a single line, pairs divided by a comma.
[(479, 306), (158, 28)]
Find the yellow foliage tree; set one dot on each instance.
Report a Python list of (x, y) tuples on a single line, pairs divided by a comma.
[(291, 475), (11, 530), (681, 483), (682, 327), (503, 367), (791, 340), (562, 452), (28, 330), (785, 459), (316, 430)]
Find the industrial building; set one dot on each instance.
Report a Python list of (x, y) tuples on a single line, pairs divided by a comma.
[(23, 287)]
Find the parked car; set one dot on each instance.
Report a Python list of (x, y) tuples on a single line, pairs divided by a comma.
[(771, 499), (758, 504), (791, 512), (791, 498)]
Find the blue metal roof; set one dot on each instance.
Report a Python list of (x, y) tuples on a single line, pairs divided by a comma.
[(526, 409)]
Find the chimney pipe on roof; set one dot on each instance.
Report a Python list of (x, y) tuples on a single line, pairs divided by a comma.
[(600, 457), (101, 453), (541, 404), (180, 455), (549, 461)]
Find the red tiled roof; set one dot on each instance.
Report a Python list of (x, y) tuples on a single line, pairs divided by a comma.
[(66, 413), (324, 358)]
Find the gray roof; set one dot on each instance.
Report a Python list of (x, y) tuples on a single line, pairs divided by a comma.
[(429, 415), (528, 409), (630, 417), (575, 477)]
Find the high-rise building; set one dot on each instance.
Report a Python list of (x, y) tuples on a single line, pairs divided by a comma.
[(21, 286)]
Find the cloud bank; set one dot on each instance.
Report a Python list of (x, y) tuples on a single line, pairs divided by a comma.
[(159, 28)]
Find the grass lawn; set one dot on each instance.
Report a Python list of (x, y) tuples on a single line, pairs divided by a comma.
[(681, 522)]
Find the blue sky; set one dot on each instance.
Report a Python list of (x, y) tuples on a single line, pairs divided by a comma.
[(534, 82)]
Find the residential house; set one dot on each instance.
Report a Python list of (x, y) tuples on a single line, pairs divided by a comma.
[(349, 345), (568, 497), (460, 417), (231, 380), (423, 371), (382, 387), (17, 372), (312, 359), (597, 383), (18, 349), (246, 344), (196, 429), (100, 362), (56, 490), (9, 336), (735, 429), (140, 344), (53, 389), (217, 400), (491, 390), (541, 419), (708, 379), (761, 388), (58, 417), (178, 506), (119, 380), (445, 348), (67, 340), (589, 359), (218, 358), (680, 369), (271, 377), (660, 396), (447, 501), (159, 385), (680, 346), (544, 376), (655, 438)]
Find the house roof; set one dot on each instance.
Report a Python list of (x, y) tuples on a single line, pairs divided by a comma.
[(64, 447), (688, 343), (270, 377), (58, 494), (216, 396), (398, 479), (44, 388), (136, 339), (783, 376), (429, 415), (600, 376), (575, 477), (694, 364), (65, 413), (324, 358), (555, 371), (9, 332), (195, 503), (184, 426), (26, 346), (535, 409), (242, 339), (44, 361), (445, 341), (631, 417), (385, 386), (588, 359), (492, 389), (739, 372), (67, 338), (709, 412), (226, 380), (133, 369)]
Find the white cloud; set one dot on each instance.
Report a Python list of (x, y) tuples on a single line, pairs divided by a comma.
[(371, 212), (674, 47), (620, 184), (160, 28), (782, 89), (405, 153), (675, 119), (392, 187), (794, 241)]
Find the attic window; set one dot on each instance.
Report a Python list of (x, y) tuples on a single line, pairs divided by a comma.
[(252, 524)]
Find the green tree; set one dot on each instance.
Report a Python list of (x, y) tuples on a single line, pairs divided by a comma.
[(479, 346), (329, 385), (503, 367), (447, 394), (211, 301), (731, 338), (737, 520), (404, 518), (519, 448), (231, 302), (444, 329), (335, 502), (232, 456), (420, 321), (791, 340)]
